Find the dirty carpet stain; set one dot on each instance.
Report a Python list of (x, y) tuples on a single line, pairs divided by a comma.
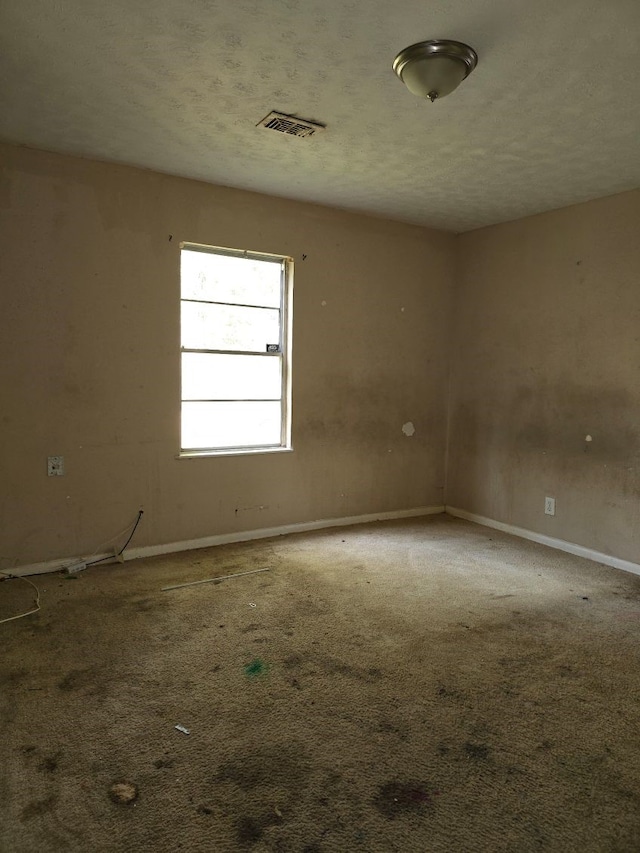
[(39, 807), (477, 751)]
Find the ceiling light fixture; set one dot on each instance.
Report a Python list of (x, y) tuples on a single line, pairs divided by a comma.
[(433, 69)]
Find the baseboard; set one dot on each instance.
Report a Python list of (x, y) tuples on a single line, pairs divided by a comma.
[(229, 538), (559, 544)]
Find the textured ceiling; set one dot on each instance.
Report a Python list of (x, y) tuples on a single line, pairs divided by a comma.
[(550, 117)]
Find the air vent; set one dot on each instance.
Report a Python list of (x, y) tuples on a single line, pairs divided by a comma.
[(290, 124)]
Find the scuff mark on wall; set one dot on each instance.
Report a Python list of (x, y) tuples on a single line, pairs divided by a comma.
[(408, 429)]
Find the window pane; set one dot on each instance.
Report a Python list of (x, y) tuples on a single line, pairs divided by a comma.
[(207, 326), (220, 278), (230, 377), (220, 425)]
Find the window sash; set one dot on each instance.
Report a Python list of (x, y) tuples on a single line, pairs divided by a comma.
[(256, 424), (219, 327), (220, 376), (226, 285)]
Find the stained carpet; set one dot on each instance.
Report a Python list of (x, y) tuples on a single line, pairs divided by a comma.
[(423, 685)]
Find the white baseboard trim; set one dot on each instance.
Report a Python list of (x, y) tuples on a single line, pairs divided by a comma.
[(559, 544), (229, 538)]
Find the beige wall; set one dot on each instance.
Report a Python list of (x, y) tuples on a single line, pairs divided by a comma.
[(89, 360), (546, 350)]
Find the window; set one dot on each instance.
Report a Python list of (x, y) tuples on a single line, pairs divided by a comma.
[(236, 339)]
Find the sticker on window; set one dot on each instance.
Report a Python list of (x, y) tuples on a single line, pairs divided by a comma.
[(273, 347)]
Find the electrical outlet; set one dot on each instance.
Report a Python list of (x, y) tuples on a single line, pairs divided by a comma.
[(549, 506), (55, 466)]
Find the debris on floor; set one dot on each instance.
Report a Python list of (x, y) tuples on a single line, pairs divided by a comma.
[(256, 668), (395, 798), (182, 729), (216, 580), (123, 793)]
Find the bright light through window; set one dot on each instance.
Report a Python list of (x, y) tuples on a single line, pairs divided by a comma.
[(235, 329)]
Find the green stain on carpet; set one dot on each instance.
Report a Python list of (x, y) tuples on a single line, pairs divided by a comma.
[(256, 668)]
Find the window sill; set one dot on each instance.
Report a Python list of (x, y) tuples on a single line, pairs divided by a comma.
[(236, 451)]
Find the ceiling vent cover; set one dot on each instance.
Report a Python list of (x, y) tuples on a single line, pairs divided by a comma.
[(290, 124)]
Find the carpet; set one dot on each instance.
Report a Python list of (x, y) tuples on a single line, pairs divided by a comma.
[(421, 685)]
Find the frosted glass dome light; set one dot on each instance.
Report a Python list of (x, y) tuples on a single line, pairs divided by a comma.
[(433, 69)]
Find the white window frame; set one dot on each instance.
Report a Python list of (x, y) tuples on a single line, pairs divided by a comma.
[(284, 354)]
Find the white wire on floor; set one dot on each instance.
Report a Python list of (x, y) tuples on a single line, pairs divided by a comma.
[(28, 612)]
